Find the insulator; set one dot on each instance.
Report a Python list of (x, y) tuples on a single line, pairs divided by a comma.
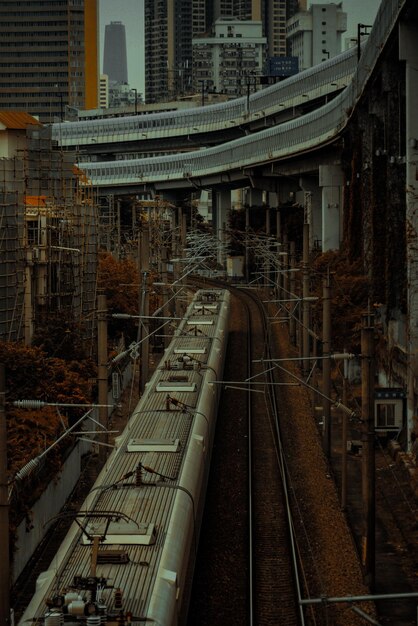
[(70, 596), (102, 609), (29, 404), (76, 607), (118, 599), (54, 618), (93, 620), (27, 469)]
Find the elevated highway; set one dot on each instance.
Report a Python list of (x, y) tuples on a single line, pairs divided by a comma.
[(231, 162)]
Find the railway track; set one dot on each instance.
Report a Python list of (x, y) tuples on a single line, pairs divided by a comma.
[(244, 572)]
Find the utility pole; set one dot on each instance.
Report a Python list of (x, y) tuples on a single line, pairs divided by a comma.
[(143, 328), (305, 303), (102, 371), (326, 364), (368, 459), (344, 443), (4, 509), (247, 243), (292, 319)]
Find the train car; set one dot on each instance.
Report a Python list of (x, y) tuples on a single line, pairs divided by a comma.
[(129, 555)]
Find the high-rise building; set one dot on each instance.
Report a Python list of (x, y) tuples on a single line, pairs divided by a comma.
[(315, 35), (170, 26), (229, 61), (114, 57), (48, 56), (272, 13)]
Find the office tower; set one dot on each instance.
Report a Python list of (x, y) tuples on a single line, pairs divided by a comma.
[(49, 56), (170, 26), (114, 58)]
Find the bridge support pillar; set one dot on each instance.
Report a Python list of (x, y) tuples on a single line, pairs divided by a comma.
[(221, 206), (254, 197), (408, 52), (331, 180), (312, 202)]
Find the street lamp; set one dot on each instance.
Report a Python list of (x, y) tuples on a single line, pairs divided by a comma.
[(361, 30), (203, 82), (136, 100)]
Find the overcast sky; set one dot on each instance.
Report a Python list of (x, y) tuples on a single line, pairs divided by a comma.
[(130, 13)]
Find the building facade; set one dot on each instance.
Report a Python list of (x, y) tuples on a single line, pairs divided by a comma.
[(230, 60), (172, 70), (314, 36), (48, 56), (170, 26)]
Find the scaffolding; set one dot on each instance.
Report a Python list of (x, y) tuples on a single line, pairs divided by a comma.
[(49, 238)]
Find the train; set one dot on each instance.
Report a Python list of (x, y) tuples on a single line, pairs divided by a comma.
[(130, 552)]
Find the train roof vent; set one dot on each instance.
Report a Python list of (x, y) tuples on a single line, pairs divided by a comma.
[(114, 557), (153, 445), (167, 385), (206, 307), (128, 533), (194, 321), (190, 350)]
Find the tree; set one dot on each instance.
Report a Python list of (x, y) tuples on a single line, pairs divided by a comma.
[(121, 284)]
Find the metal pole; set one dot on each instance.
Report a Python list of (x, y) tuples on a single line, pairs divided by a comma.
[(326, 367), (4, 510), (368, 460), (305, 303), (102, 370), (247, 256), (292, 281), (164, 258), (144, 307), (344, 447)]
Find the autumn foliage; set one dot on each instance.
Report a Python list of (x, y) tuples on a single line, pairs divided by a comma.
[(121, 283), (32, 375)]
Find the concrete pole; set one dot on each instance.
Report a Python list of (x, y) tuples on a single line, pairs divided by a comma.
[(164, 279), (278, 225), (344, 447), (4, 510), (326, 365), (144, 308), (284, 265), (368, 460), (102, 358), (305, 303), (292, 320), (247, 234)]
